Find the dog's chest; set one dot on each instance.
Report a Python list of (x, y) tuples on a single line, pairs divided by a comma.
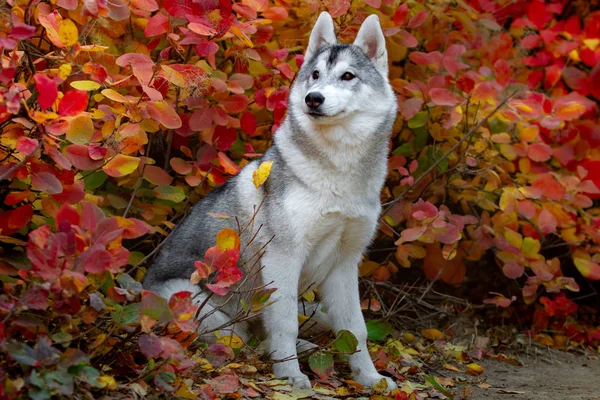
[(329, 230)]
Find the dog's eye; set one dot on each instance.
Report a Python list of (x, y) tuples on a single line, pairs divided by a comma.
[(315, 75), (348, 76)]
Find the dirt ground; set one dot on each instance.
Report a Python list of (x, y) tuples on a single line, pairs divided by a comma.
[(551, 375)]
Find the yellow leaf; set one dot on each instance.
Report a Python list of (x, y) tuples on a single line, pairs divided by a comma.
[(514, 238), (531, 247), (173, 76), (115, 96), (451, 367), (241, 35), (432, 334), (262, 173), (508, 151), (64, 71), (380, 387), (107, 382), (530, 133), (228, 239), (302, 318), (309, 296), (591, 44), (474, 369), (367, 268), (81, 130), (68, 33), (85, 85), (184, 392), (121, 165), (233, 341)]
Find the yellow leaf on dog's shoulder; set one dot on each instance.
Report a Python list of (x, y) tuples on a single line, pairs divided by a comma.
[(262, 173)]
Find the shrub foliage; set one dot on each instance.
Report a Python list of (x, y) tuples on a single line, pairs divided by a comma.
[(116, 116)]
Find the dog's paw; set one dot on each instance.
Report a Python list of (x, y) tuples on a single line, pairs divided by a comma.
[(372, 380), (300, 381)]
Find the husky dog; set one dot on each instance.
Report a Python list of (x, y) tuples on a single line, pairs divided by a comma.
[(319, 208)]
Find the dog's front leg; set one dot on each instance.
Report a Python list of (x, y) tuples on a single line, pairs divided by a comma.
[(281, 319), (339, 293)]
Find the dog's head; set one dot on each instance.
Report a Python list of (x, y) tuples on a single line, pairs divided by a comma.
[(337, 81)]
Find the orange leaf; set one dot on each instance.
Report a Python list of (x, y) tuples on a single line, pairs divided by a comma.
[(121, 165)]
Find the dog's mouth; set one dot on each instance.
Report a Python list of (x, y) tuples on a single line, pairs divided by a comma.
[(319, 115)]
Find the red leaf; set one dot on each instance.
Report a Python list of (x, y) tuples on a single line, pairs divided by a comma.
[(201, 119), (47, 90), (157, 25), (337, 8), (156, 175), (26, 145), (407, 40), (228, 166), (35, 298), (235, 103), (411, 234), (150, 345), (46, 182), (225, 279), (444, 97), (400, 15), (539, 152), (373, 3), (276, 13), (248, 123), (71, 194), (450, 58), (22, 31), (20, 216), (179, 8), (513, 270), (410, 107), (67, 215), (90, 215), (418, 19), (432, 58), (16, 197), (547, 222), (95, 260), (223, 138), (205, 48), (184, 310), (96, 152), (73, 103)]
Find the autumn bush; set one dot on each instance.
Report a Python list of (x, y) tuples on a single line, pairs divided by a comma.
[(117, 116)]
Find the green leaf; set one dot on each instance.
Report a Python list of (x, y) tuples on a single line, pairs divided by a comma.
[(321, 363), (171, 193), (405, 149), (60, 381), (377, 330), (156, 307), (421, 135), (419, 120), (433, 382), (345, 342), (94, 180)]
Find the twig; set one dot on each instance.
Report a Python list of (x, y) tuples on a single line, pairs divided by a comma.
[(17, 165), (138, 183)]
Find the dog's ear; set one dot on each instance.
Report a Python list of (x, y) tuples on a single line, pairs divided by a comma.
[(371, 41), (323, 33)]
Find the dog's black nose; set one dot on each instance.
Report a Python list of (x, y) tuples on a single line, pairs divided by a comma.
[(314, 99)]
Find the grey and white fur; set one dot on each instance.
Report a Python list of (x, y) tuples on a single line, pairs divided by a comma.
[(321, 201)]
